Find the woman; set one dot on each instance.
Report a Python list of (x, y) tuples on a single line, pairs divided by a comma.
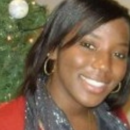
[(77, 72)]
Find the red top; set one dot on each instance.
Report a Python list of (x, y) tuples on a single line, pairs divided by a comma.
[(12, 115)]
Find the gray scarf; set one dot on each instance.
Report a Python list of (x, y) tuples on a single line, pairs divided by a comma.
[(41, 106)]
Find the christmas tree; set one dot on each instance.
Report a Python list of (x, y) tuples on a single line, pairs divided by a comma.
[(20, 23)]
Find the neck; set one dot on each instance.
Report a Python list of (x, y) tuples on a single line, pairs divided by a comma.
[(66, 103), (79, 116)]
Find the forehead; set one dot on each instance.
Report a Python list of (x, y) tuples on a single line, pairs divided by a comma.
[(117, 29)]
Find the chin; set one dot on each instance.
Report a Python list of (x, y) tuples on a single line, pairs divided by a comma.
[(93, 103)]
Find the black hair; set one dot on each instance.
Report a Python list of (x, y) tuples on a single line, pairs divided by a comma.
[(89, 14)]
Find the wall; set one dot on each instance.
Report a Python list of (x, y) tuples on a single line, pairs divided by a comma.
[(52, 3), (126, 3)]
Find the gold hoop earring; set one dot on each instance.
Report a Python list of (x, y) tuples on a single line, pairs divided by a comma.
[(117, 90), (45, 66)]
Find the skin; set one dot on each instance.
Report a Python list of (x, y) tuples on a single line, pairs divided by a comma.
[(100, 56)]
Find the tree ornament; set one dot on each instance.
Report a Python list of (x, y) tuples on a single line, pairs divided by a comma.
[(18, 9)]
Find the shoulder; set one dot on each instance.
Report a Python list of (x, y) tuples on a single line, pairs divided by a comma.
[(109, 119), (119, 112), (12, 114)]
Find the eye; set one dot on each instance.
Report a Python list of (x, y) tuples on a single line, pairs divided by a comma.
[(120, 55), (88, 45)]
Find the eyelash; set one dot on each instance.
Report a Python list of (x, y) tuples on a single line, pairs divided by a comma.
[(88, 45), (120, 56)]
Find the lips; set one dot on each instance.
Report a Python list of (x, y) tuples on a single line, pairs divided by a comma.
[(94, 85)]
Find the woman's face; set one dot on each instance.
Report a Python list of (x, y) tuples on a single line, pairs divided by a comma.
[(89, 70)]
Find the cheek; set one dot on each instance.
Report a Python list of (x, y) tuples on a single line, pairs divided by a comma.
[(72, 59), (120, 71)]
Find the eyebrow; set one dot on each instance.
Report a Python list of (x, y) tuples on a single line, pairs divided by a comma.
[(94, 35), (125, 44)]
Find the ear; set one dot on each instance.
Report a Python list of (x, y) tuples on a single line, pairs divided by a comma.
[(53, 54)]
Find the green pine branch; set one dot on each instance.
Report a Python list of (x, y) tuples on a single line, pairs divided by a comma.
[(13, 51)]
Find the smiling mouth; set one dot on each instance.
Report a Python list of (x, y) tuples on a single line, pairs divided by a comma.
[(94, 85)]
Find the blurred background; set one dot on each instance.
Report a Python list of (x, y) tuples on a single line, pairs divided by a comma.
[(52, 3)]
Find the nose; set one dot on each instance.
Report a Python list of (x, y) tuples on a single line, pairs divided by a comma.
[(102, 62)]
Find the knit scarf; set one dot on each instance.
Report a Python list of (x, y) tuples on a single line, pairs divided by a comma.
[(41, 107)]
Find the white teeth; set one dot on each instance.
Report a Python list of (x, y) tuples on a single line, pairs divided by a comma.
[(93, 82)]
